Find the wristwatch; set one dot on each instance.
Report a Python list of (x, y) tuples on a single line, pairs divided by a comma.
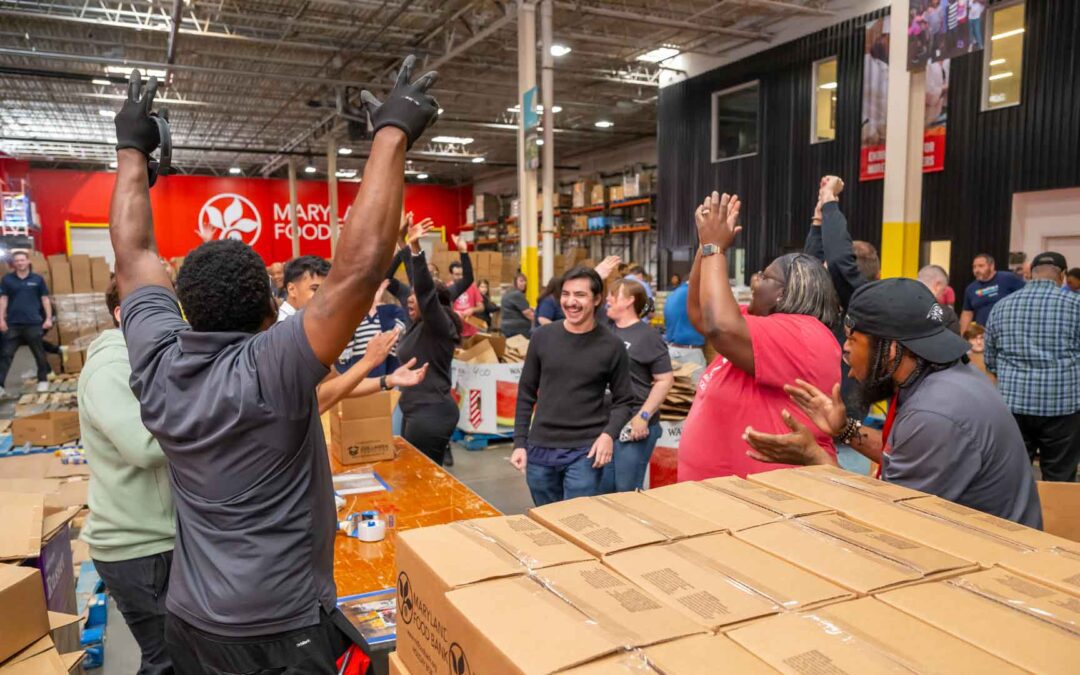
[(710, 249), (644, 414), (382, 384)]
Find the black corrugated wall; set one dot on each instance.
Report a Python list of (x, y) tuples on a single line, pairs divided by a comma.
[(989, 156)]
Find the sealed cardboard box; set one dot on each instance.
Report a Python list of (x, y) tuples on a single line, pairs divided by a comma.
[(1055, 567), (582, 193), (99, 274), (620, 521), (60, 275), (777, 501), (862, 558), (694, 655), (862, 636), (41, 657), (47, 428), (718, 581), (361, 429), (1061, 508), (834, 487), (988, 525), (396, 666), (1028, 624), (434, 560), (728, 511), (554, 619), (597, 195), (80, 274), (22, 608)]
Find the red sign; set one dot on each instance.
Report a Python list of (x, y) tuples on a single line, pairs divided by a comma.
[(872, 158), (189, 210)]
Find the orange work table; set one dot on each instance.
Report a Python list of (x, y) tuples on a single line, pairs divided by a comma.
[(420, 494)]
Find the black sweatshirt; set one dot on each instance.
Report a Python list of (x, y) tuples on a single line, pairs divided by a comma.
[(831, 244), (402, 291), (572, 370), (431, 340)]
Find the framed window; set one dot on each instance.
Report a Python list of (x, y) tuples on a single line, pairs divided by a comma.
[(1003, 58), (735, 114), (823, 106)]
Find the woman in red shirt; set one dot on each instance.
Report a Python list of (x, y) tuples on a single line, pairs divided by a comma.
[(783, 335)]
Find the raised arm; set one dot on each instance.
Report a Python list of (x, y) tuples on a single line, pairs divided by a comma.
[(131, 222), (467, 277), (722, 321), (434, 314), (836, 240), (813, 245), (367, 241), (693, 295)]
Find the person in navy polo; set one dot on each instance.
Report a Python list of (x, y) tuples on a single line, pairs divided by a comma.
[(25, 315)]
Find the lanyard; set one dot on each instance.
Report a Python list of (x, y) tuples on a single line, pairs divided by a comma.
[(890, 417)]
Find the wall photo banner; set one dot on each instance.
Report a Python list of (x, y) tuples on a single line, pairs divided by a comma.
[(939, 30), (875, 106)]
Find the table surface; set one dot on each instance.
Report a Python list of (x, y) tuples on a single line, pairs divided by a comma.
[(420, 494)]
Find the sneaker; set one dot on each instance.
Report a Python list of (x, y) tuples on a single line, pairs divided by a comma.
[(448, 457), (42, 387)]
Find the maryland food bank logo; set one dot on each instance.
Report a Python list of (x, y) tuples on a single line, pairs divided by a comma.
[(229, 216)]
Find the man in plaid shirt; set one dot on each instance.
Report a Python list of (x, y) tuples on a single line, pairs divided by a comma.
[(1033, 346)]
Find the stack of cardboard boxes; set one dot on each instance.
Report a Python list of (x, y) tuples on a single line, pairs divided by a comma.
[(78, 284), (29, 633), (810, 570)]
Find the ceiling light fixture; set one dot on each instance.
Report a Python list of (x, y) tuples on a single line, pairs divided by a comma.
[(453, 140), (514, 109), (310, 168), (422, 176), (1008, 33), (539, 141), (346, 173), (440, 111), (997, 62), (106, 113), (112, 165), (102, 81), (605, 124), (659, 54), (560, 50), (235, 170), (477, 160), (1000, 76), (344, 151), (827, 85), (126, 70)]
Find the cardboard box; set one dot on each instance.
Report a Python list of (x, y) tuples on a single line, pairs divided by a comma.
[(862, 558), (988, 525), (22, 609), (597, 195), (75, 359), (694, 655), (60, 275), (47, 428), (1061, 508), (582, 193), (80, 273), (863, 636), (834, 487), (777, 501), (41, 657), (620, 521), (557, 618), (718, 581), (99, 274), (1028, 624), (361, 429), (726, 510), (394, 662), (40, 536), (434, 560), (487, 207), (1056, 567)]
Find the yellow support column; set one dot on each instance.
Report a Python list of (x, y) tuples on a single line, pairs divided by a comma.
[(902, 198)]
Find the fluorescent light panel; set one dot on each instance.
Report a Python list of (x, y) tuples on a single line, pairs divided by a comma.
[(1008, 33), (309, 169), (235, 170), (827, 85), (126, 71), (1000, 76), (997, 62), (560, 50), (422, 176), (454, 140), (477, 160), (659, 54), (344, 151), (605, 124)]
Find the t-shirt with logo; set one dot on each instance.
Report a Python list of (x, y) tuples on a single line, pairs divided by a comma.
[(981, 296), (24, 298), (463, 303), (648, 356), (786, 347)]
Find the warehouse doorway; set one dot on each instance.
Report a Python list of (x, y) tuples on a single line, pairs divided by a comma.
[(90, 239), (1048, 220)]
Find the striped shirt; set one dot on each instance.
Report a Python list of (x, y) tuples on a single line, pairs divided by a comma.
[(1033, 346), (368, 328)]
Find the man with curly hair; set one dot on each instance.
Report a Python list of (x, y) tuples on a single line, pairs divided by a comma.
[(231, 397)]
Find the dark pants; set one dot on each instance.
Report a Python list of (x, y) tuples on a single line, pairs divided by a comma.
[(549, 484), (314, 649), (429, 428), (138, 587), (31, 336), (1055, 441)]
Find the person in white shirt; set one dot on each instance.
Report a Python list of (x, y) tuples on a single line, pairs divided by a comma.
[(303, 276)]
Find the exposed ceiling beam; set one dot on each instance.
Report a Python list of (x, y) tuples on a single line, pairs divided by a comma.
[(476, 39), (652, 19), (792, 7), (174, 26)]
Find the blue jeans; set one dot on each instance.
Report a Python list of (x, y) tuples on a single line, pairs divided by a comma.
[(550, 484), (626, 470)]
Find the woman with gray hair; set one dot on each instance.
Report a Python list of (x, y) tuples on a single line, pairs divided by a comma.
[(782, 336)]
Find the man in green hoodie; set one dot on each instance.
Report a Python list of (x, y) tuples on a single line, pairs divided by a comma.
[(132, 522)]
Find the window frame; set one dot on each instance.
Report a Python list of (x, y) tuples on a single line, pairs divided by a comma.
[(984, 89), (712, 118), (814, 140)]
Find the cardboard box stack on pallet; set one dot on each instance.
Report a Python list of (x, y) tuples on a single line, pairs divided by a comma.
[(810, 570), (29, 632), (78, 284)]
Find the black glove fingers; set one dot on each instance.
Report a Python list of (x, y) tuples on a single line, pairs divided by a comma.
[(405, 74), (370, 101), (427, 80), (148, 95), (164, 113), (134, 86)]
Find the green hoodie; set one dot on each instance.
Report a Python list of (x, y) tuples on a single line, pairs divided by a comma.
[(131, 506)]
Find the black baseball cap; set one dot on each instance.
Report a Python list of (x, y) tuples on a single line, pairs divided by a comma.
[(1049, 258), (905, 310)]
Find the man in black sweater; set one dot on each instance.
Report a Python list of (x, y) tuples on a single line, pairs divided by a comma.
[(573, 362)]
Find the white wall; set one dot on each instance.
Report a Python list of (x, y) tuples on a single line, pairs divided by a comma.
[(1039, 215)]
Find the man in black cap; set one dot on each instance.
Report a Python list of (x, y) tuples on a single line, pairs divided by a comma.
[(948, 431), (1033, 346)]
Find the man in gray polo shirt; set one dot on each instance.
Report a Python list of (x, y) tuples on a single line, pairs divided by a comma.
[(948, 431), (231, 399)]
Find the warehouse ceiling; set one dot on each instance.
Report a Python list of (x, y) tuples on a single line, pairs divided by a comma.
[(253, 83)]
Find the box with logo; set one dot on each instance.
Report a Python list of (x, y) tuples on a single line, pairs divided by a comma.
[(434, 560), (361, 429), (484, 389), (719, 581), (47, 428), (855, 555), (863, 636), (1023, 622), (617, 522)]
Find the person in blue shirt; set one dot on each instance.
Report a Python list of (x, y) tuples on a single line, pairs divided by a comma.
[(679, 331), (25, 315), (989, 287), (547, 306)]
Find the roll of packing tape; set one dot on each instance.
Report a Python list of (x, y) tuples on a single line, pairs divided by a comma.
[(371, 530), (369, 515)]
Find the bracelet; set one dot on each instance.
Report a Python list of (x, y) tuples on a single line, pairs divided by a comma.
[(382, 383), (851, 429)]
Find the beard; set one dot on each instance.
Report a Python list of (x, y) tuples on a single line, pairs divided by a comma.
[(874, 390)]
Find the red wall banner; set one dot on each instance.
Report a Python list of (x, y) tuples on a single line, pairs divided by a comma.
[(191, 209)]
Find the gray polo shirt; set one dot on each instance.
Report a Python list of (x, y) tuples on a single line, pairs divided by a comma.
[(954, 437), (237, 417)]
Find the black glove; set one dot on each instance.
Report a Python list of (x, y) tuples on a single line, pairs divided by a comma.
[(135, 128), (408, 107)]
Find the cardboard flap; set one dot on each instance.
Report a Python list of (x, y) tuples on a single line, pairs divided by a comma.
[(21, 518), (58, 620), (481, 352), (44, 644), (784, 503), (58, 469), (722, 509), (672, 522), (1000, 528), (596, 526), (72, 659), (380, 404), (1057, 567), (55, 518), (47, 662)]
